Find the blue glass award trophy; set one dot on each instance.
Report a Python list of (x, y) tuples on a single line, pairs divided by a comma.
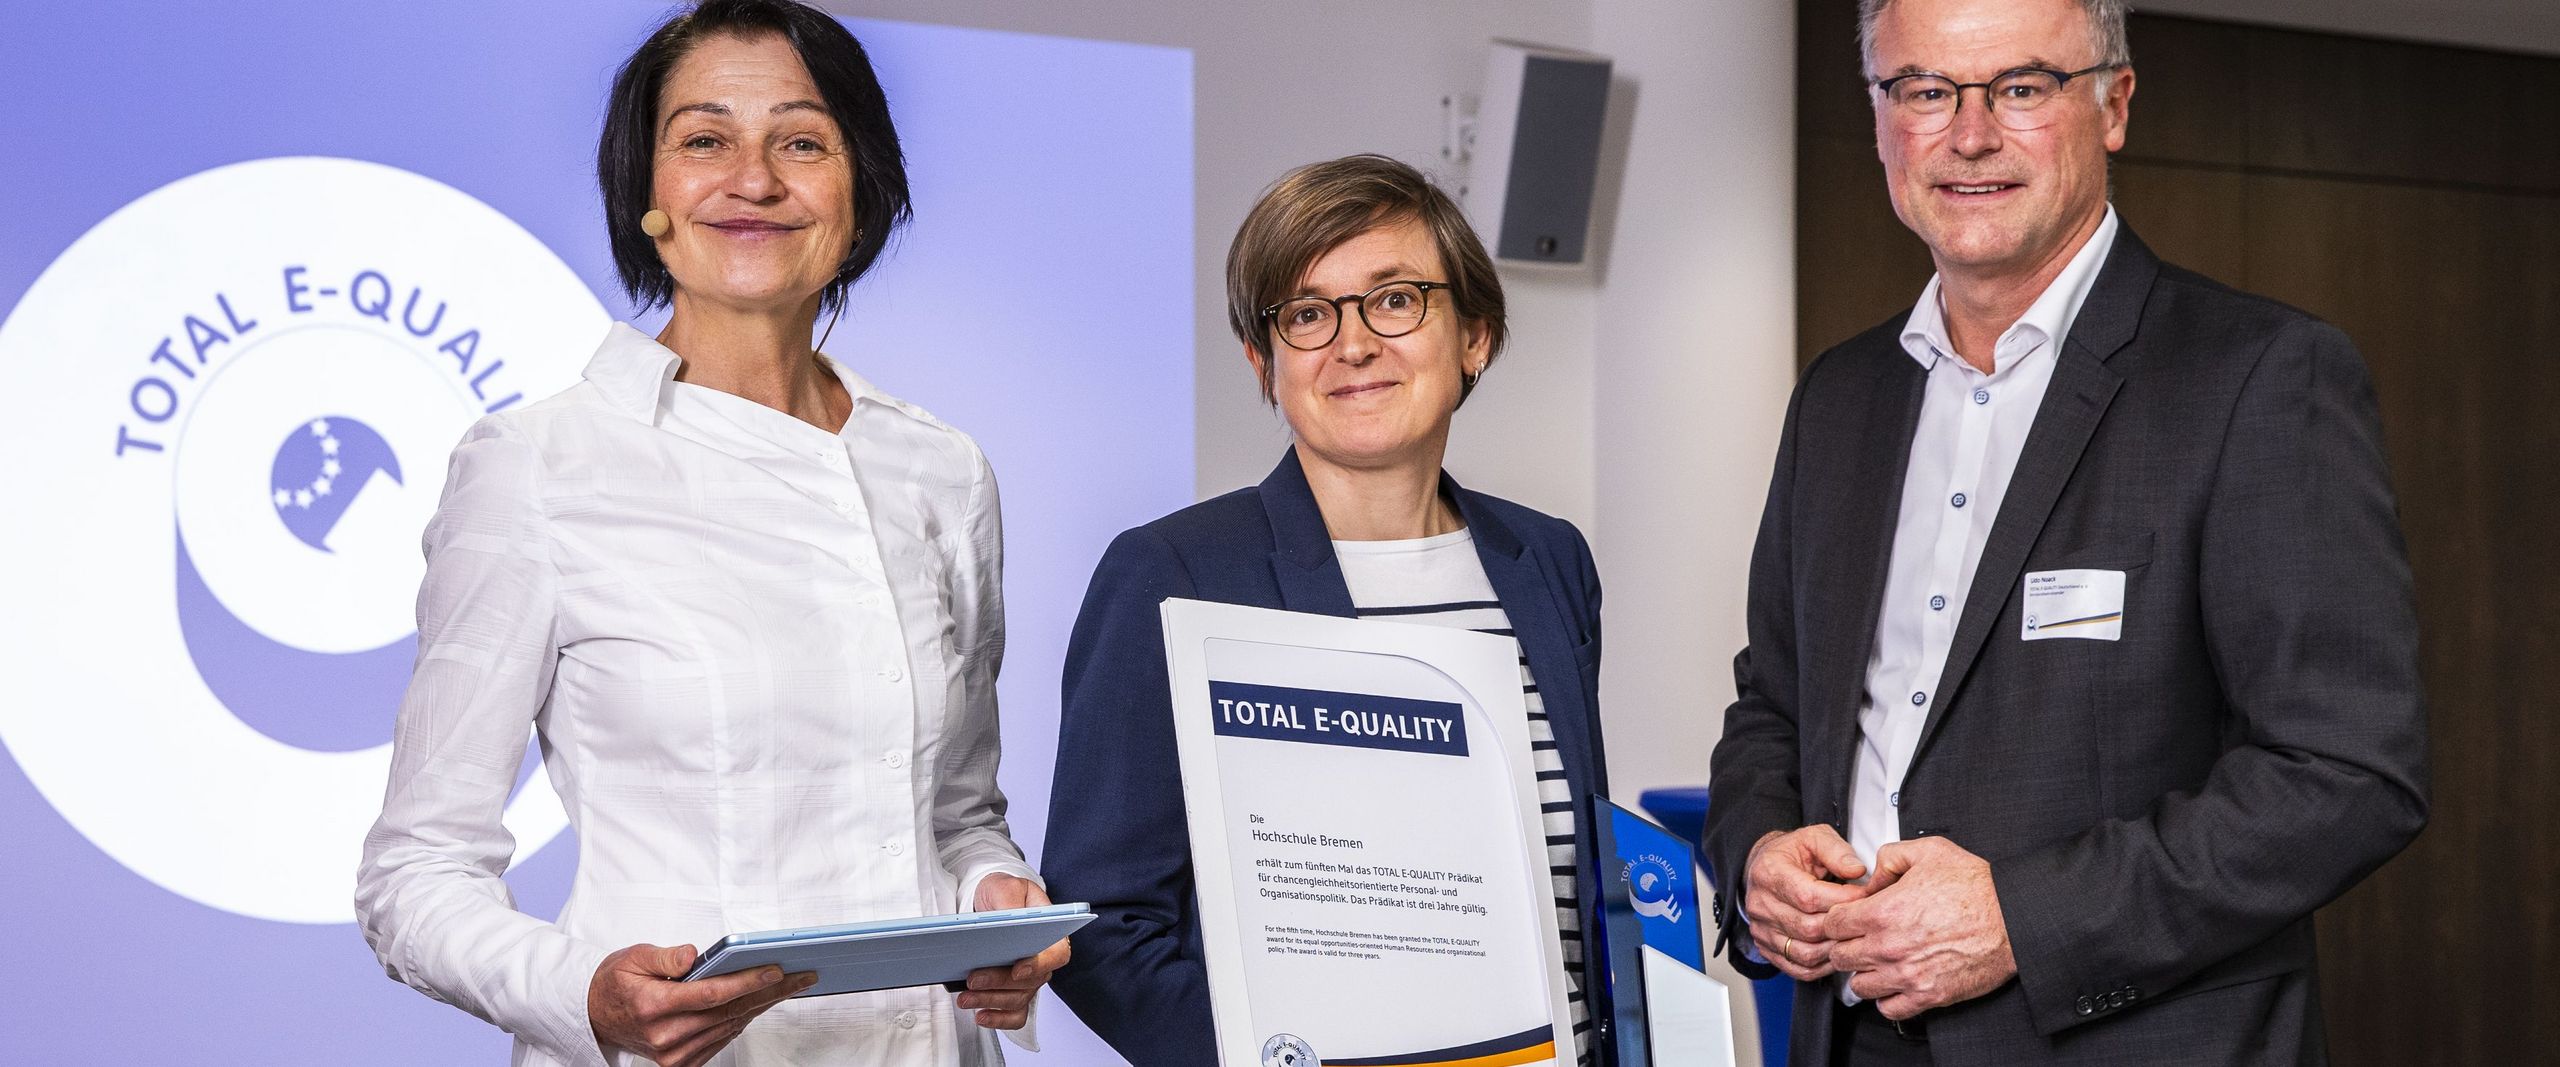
[(1663, 1009)]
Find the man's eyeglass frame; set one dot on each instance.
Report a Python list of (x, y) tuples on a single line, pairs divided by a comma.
[(2061, 81)]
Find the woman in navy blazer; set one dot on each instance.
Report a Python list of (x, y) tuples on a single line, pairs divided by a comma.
[(1368, 381)]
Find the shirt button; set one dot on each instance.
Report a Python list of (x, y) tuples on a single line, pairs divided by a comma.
[(845, 505), (891, 674), (1937, 603), (906, 1020), (1894, 798), (1918, 699), (895, 760), (1957, 500), (895, 848), (1982, 396)]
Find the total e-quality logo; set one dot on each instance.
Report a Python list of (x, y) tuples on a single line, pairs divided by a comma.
[(1653, 886), (231, 406)]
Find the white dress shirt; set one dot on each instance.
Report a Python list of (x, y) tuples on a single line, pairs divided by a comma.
[(761, 659), (1972, 427)]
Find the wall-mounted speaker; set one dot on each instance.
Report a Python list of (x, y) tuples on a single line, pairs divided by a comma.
[(1537, 151)]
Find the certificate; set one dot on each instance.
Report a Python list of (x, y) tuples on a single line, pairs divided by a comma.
[(1365, 839)]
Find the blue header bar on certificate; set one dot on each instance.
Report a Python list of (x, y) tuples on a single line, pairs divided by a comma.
[(1318, 717)]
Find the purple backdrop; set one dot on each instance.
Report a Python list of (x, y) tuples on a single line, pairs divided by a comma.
[(1040, 302)]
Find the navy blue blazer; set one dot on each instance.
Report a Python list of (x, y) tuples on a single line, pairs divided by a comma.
[(1117, 836)]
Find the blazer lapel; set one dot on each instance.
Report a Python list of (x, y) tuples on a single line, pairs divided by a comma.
[(1544, 632), (1310, 580), (1845, 570), (1302, 562), (2082, 388)]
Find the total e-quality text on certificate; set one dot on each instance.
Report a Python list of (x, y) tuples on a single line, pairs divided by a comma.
[(1366, 843)]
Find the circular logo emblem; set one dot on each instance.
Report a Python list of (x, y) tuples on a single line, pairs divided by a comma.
[(1653, 888), (1288, 1050), (231, 403)]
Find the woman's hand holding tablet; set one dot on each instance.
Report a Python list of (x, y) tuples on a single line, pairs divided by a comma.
[(996, 959), (632, 1004)]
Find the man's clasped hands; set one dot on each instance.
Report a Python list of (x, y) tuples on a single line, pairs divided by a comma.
[(1923, 931)]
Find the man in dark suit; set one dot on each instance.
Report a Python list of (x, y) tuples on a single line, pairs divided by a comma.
[(2082, 661)]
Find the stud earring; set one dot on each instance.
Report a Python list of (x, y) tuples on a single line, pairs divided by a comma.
[(655, 223)]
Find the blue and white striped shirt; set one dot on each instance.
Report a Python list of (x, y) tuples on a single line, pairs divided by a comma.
[(1439, 581)]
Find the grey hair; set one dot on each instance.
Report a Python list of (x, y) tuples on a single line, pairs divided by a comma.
[(2106, 30)]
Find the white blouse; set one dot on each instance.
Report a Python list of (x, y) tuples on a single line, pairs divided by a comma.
[(761, 659)]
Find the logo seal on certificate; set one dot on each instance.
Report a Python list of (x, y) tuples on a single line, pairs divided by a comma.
[(1366, 842), (1288, 1050)]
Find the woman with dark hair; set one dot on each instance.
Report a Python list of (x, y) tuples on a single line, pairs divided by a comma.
[(1367, 309), (750, 604)]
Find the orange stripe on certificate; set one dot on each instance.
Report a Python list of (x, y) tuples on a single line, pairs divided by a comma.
[(1532, 1054)]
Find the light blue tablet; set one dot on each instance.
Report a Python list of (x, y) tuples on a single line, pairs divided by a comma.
[(895, 953)]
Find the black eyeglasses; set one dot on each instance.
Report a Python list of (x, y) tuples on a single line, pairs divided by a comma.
[(1927, 103), (1392, 309)]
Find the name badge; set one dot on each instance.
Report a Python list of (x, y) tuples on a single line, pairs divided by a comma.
[(2082, 604)]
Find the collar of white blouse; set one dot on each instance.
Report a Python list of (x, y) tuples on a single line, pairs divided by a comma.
[(633, 370)]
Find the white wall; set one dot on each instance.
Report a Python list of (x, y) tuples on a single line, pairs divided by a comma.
[(1639, 399), (1283, 84), (1291, 83), (1694, 358)]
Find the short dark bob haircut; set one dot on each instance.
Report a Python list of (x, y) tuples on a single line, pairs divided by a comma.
[(1314, 209), (836, 61)]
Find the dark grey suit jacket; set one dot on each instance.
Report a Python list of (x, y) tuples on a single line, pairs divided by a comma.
[(2163, 812)]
